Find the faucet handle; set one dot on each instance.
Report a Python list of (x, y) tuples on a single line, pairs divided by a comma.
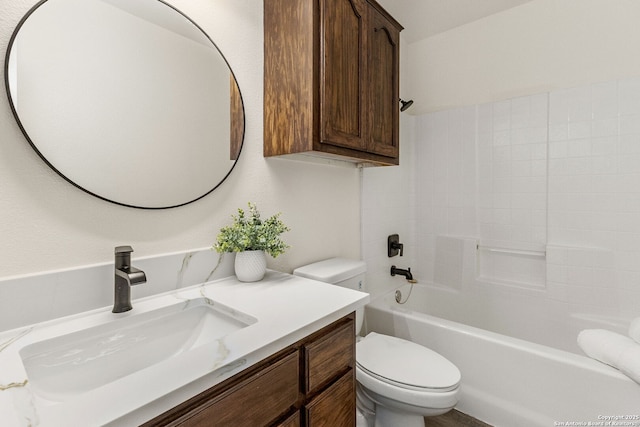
[(398, 246), (394, 246), (123, 256), (123, 250)]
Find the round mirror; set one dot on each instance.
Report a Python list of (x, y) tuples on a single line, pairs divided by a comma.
[(128, 100)]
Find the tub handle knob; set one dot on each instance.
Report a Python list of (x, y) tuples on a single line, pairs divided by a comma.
[(394, 246)]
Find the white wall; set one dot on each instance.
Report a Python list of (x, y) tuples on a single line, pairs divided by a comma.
[(533, 48), (45, 223)]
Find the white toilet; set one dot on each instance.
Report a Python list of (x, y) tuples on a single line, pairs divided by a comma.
[(399, 382)]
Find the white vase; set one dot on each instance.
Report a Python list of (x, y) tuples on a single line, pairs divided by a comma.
[(250, 265)]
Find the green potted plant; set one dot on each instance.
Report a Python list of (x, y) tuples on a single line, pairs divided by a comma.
[(250, 237)]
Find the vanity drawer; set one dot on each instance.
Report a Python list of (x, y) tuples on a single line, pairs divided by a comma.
[(329, 356), (256, 401), (336, 406), (292, 421)]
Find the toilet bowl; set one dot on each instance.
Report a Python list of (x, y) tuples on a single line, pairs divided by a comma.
[(406, 381), (398, 382)]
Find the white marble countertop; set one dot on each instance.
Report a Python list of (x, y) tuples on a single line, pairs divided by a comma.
[(286, 308)]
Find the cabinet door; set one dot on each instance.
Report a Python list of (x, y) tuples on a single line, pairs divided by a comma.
[(342, 73), (383, 96)]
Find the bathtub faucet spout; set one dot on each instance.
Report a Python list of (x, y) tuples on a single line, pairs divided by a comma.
[(401, 272)]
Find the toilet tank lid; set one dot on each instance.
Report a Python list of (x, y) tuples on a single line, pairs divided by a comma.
[(332, 270)]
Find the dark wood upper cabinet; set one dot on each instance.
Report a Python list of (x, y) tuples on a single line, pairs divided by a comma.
[(331, 80), (383, 107), (343, 53)]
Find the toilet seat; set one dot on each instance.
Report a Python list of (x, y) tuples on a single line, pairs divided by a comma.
[(405, 386), (424, 401), (405, 364)]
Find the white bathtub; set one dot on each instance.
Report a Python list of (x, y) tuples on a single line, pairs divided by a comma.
[(510, 382)]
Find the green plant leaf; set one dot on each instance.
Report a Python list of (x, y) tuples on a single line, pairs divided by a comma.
[(250, 233)]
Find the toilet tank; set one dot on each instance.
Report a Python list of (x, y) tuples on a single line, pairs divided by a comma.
[(348, 273)]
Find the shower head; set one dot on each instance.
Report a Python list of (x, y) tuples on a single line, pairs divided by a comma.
[(405, 104)]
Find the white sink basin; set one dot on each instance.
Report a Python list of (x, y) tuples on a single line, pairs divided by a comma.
[(72, 364)]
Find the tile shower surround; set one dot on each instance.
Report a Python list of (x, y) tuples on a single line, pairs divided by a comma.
[(556, 172)]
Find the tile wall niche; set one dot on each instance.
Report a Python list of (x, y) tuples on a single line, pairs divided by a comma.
[(555, 174)]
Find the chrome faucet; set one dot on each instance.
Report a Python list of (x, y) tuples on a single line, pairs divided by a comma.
[(402, 272), (125, 277)]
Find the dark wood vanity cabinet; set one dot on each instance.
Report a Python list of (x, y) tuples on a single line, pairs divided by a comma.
[(310, 383), (331, 80)]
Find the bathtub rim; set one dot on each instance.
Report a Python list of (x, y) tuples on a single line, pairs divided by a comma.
[(387, 299)]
